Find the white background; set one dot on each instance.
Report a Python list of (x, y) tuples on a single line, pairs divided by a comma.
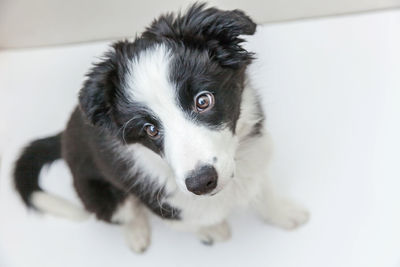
[(27, 23), (331, 90)]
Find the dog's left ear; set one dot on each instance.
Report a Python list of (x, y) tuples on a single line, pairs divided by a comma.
[(215, 29)]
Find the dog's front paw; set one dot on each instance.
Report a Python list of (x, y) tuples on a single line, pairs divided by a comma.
[(285, 214), (215, 233), (138, 236)]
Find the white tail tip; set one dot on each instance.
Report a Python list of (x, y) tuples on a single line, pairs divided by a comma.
[(58, 206)]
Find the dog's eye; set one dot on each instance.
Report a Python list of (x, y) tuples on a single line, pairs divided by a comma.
[(152, 131), (204, 101)]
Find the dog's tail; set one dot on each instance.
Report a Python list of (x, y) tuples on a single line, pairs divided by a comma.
[(26, 177)]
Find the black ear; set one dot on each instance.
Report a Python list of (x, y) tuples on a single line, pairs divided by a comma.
[(103, 86), (216, 23), (212, 28), (93, 100)]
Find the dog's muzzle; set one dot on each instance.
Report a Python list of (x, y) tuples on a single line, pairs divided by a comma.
[(202, 180)]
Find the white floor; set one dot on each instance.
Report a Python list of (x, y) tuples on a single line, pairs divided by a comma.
[(332, 94)]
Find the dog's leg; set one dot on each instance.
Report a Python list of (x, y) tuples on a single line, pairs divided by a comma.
[(112, 205), (214, 233), (132, 215), (271, 207), (277, 210), (98, 196)]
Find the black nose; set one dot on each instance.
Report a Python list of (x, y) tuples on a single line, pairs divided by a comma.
[(202, 180)]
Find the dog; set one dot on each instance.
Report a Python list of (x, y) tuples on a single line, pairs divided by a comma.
[(167, 124)]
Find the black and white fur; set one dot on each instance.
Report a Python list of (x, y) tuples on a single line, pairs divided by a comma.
[(122, 175)]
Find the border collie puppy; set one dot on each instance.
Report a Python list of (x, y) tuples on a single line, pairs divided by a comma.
[(166, 125)]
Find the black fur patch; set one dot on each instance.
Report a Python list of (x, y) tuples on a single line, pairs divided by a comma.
[(211, 30), (102, 177), (193, 72)]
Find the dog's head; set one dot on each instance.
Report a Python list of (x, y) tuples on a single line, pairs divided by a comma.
[(177, 91)]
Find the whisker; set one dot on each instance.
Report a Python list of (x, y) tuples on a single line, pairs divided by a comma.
[(123, 129)]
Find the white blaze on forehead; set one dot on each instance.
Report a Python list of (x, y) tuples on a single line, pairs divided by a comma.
[(148, 81), (186, 143)]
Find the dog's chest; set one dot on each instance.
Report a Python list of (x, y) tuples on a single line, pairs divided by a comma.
[(195, 211)]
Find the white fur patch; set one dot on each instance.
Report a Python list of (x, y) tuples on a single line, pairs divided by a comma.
[(283, 213), (159, 170), (138, 234), (125, 212), (128, 211), (135, 223), (57, 206)]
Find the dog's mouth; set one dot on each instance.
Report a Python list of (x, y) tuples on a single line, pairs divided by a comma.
[(222, 187), (215, 192)]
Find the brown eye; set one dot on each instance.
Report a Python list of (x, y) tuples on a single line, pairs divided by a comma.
[(204, 101), (152, 131)]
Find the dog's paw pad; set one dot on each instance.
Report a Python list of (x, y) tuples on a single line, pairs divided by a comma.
[(206, 240), (216, 233), (288, 215)]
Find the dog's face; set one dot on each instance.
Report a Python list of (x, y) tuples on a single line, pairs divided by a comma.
[(177, 90)]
